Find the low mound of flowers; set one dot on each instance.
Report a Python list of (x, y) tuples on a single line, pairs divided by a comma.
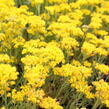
[(54, 54)]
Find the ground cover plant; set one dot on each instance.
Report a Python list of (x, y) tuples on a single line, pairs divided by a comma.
[(54, 54)]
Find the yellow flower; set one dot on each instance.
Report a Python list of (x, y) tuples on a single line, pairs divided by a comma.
[(36, 25), (36, 2), (88, 49), (7, 75), (102, 89), (50, 103), (3, 107), (102, 68), (4, 58), (101, 51), (75, 63), (57, 1), (69, 43), (87, 64), (96, 21)]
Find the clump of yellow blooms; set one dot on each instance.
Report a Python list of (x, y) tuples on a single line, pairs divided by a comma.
[(29, 93), (77, 75), (57, 1), (102, 89), (50, 103), (36, 2), (69, 43), (54, 54), (4, 58), (81, 108), (102, 68), (46, 54), (88, 49), (8, 75), (35, 25)]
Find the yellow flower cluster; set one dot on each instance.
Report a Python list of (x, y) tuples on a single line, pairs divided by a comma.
[(8, 75), (77, 75), (50, 103), (54, 54), (102, 68), (102, 89), (57, 1), (36, 2), (36, 96)]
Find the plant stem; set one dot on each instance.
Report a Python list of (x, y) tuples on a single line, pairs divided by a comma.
[(59, 91), (97, 103), (5, 100)]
